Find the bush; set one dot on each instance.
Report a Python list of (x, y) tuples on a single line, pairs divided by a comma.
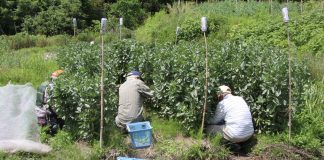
[(308, 130), (131, 11), (60, 140), (190, 28), (305, 32), (176, 74), (4, 44), (155, 28), (22, 40)]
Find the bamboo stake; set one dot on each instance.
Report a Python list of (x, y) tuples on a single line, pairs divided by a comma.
[(301, 6), (206, 83), (286, 20), (204, 29), (103, 30), (289, 83), (270, 1), (101, 93), (119, 32)]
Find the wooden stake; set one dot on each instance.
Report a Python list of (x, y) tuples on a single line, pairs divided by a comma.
[(301, 6), (101, 91), (120, 32), (289, 84), (270, 1), (206, 83)]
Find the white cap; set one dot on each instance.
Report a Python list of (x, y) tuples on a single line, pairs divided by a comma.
[(224, 89)]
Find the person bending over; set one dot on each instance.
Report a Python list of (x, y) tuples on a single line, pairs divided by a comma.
[(232, 118), (131, 96)]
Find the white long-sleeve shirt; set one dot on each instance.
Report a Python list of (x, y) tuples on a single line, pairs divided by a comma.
[(237, 116)]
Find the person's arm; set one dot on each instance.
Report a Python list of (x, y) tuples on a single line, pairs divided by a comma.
[(218, 117), (145, 90)]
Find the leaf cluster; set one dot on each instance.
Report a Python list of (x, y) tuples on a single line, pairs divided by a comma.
[(177, 75)]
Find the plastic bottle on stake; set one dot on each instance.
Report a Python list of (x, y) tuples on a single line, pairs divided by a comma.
[(103, 29), (203, 24), (178, 31), (285, 14), (121, 21), (74, 22)]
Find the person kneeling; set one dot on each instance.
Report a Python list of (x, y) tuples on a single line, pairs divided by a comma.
[(131, 97), (232, 118)]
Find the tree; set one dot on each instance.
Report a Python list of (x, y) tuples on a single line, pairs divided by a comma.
[(131, 10), (57, 19)]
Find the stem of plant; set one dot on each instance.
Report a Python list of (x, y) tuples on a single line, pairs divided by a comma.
[(206, 85), (101, 91)]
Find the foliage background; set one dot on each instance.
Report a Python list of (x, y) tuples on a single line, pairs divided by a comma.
[(23, 60), (176, 74)]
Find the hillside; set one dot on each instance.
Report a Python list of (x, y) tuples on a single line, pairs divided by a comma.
[(248, 50)]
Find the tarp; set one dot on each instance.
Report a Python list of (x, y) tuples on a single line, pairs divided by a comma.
[(18, 122)]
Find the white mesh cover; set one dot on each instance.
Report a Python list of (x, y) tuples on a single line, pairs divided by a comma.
[(18, 122)]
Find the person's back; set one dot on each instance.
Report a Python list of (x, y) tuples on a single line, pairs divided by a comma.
[(238, 117), (131, 96), (44, 112), (130, 101), (232, 117), (41, 94)]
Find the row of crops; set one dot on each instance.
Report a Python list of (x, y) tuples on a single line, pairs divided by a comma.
[(176, 74)]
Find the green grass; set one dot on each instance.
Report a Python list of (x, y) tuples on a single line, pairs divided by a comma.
[(166, 127), (29, 65), (62, 148), (316, 65), (162, 26)]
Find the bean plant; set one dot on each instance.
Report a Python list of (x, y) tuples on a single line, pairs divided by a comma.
[(176, 74)]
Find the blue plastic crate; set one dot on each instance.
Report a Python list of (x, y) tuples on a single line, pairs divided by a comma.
[(127, 158), (141, 134)]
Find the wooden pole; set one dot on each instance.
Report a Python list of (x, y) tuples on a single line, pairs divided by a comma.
[(301, 6), (206, 83), (270, 1), (289, 84), (120, 32), (101, 91)]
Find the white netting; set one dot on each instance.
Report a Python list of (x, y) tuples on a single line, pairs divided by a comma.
[(18, 122)]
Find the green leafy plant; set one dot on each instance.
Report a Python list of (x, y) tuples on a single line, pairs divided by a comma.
[(176, 74), (60, 140)]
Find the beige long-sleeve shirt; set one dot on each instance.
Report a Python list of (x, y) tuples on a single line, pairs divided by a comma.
[(131, 96)]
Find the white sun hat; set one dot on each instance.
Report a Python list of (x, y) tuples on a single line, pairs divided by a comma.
[(224, 89)]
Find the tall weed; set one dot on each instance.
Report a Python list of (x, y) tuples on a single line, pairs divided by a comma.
[(24, 40), (27, 65), (309, 119)]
